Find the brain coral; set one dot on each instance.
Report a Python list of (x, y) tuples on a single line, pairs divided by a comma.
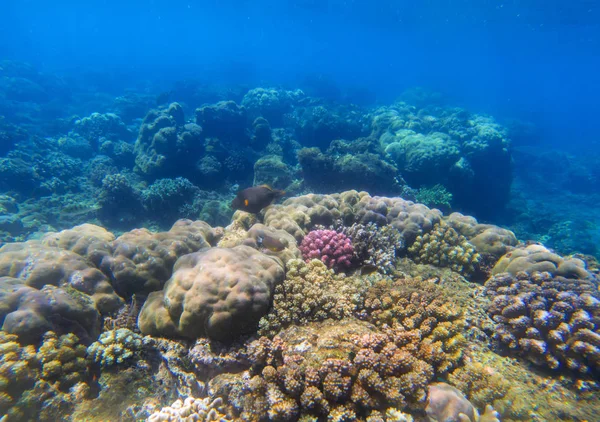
[(550, 320), (538, 258), (82, 290), (88, 240), (219, 293), (142, 261)]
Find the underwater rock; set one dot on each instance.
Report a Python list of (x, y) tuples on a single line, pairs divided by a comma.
[(220, 293)]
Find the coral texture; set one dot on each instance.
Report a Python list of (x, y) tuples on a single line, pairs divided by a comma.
[(375, 246), (115, 347), (220, 293), (191, 409), (550, 320), (311, 292), (142, 261), (443, 247), (333, 249), (537, 257)]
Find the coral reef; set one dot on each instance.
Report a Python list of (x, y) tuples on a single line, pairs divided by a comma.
[(444, 247), (375, 246), (142, 261), (43, 384), (332, 248), (115, 347), (549, 320), (166, 145), (220, 293), (190, 409), (537, 257), (224, 120), (311, 292)]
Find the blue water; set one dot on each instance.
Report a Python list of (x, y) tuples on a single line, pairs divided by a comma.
[(530, 60)]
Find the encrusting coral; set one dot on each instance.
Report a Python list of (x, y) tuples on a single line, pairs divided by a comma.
[(444, 247), (550, 320), (115, 347)]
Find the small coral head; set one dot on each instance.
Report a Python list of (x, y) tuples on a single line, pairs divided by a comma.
[(332, 248)]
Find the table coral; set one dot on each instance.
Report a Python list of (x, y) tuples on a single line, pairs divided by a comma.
[(549, 320), (220, 293), (115, 347), (142, 260)]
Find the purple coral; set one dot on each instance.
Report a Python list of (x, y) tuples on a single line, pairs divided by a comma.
[(332, 248)]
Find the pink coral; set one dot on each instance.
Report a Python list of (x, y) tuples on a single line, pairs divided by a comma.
[(332, 248)]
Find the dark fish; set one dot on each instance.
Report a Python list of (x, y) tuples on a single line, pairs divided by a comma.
[(255, 198), (271, 243)]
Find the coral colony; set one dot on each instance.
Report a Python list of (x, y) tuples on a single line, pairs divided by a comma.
[(265, 255)]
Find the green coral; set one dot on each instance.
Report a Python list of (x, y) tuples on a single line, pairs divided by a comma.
[(444, 247), (115, 347), (41, 384), (436, 196)]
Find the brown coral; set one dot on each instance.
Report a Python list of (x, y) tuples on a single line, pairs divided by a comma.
[(550, 320), (142, 261), (537, 257), (220, 293)]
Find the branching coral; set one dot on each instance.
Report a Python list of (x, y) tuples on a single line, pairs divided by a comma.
[(191, 409), (443, 247), (551, 321), (311, 292), (375, 246), (115, 347)]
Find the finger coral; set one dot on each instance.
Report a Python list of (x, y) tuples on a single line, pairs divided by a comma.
[(311, 292), (443, 247), (115, 347), (191, 409), (549, 320)]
